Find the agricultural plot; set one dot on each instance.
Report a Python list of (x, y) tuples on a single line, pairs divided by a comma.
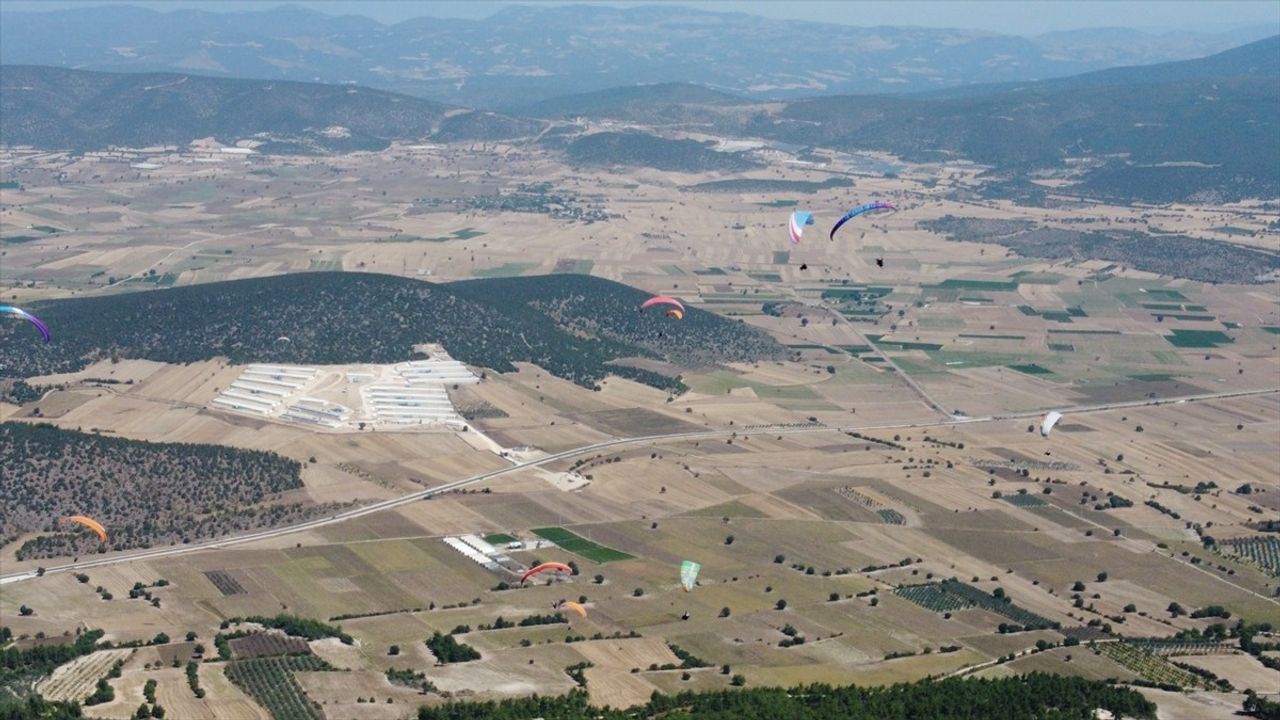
[(1149, 666), (1171, 647), (580, 545), (265, 644), (76, 680), (931, 596), (1263, 551), (1021, 500), (984, 600), (226, 584), (892, 517), (270, 681)]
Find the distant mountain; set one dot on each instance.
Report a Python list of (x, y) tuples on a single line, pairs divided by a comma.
[(1206, 129), (527, 53), (1256, 59), (57, 108), (634, 99), (574, 326)]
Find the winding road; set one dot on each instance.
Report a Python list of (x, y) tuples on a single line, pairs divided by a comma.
[(155, 553)]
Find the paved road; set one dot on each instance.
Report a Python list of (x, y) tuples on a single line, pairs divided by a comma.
[(155, 553)]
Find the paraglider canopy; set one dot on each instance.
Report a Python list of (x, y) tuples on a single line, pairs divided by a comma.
[(544, 567), (88, 522), (677, 314), (795, 228), (869, 207), (575, 606), (689, 574), (20, 313), (661, 300), (1049, 421)]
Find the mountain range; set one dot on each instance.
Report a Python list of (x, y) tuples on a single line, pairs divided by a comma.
[(1204, 129), (524, 54)]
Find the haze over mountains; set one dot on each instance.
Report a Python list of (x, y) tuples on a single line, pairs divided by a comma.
[(523, 54), (1198, 129)]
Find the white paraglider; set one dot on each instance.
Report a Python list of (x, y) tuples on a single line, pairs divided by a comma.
[(1049, 421)]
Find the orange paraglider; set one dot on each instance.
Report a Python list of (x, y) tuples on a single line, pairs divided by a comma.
[(88, 522), (544, 567), (576, 606)]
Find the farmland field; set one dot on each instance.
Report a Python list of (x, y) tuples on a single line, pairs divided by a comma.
[(580, 546), (874, 484)]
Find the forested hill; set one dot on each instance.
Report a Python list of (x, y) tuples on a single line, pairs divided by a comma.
[(572, 325), (144, 493), (58, 108)]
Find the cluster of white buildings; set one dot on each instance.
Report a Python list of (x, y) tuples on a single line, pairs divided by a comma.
[(419, 394), (387, 396), (262, 389), (475, 549)]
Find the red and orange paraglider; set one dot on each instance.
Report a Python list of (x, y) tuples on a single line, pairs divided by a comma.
[(88, 522), (561, 567)]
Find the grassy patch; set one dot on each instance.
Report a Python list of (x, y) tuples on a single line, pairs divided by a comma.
[(1062, 347), (499, 539), (983, 285), (580, 545), (1162, 294), (1198, 338), (511, 269), (1031, 369), (781, 257), (765, 277), (1273, 329), (993, 337), (1192, 318), (780, 203)]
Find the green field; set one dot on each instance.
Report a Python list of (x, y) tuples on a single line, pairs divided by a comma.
[(499, 539), (580, 545), (1031, 369), (1273, 329), (781, 257), (1198, 338), (780, 203), (765, 277), (1160, 294), (325, 266), (511, 269), (982, 285), (993, 337)]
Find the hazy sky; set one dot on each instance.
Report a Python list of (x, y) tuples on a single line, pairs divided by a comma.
[(1019, 18)]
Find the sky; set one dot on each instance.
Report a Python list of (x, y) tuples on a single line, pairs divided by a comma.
[(1008, 16)]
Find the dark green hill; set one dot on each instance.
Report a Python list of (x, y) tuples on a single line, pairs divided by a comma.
[(572, 325), (71, 109), (642, 150)]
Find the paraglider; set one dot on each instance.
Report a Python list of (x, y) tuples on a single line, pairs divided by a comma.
[(689, 574), (88, 522), (575, 606), (1049, 421), (543, 568), (795, 228), (20, 313), (663, 300), (879, 262), (677, 314), (804, 266), (869, 207)]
